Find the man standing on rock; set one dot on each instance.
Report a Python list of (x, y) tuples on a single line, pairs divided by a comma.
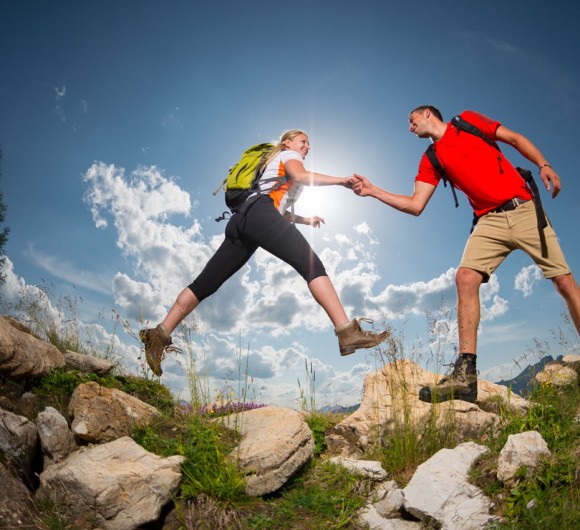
[(508, 216)]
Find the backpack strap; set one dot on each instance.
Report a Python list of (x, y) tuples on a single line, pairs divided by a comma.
[(462, 125), (430, 152)]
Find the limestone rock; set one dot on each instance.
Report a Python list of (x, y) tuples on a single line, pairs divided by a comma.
[(439, 490), (366, 468), (118, 485), (17, 508), (56, 439), (391, 399), (86, 363), (276, 442), (557, 374), (18, 441), (522, 449), (104, 414), (22, 355)]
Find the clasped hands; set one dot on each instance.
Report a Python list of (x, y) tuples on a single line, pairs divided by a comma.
[(359, 184)]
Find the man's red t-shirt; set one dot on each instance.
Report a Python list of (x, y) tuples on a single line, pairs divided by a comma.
[(475, 167)]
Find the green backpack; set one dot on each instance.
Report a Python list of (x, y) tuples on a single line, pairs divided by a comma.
[(242, 178)]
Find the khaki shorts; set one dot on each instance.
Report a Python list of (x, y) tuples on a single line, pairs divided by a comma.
[(497, 234)]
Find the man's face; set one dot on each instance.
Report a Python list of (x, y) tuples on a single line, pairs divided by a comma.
[(418, 124)]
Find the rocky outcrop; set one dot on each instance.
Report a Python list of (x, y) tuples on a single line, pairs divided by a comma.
[(17, 509), (22, 354), (560, 373), (438, 495), (391, 399), (113, 483)]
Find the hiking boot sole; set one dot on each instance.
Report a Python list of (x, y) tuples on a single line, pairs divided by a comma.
[(428, 395), (347, 350)]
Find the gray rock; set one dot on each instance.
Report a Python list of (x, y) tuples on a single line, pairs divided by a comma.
[(86, 363), (391, 399), (18, 441), (276, 443), (371, 519), (17, 509), (366, 468), (104, 414), (522, 449), (115, 486), (439, 490), (23, 355), (56, 439)]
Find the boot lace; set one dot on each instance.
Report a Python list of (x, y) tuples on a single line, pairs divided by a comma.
[(170, 348)]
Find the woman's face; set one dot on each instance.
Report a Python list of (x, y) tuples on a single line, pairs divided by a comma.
[(299, 144)]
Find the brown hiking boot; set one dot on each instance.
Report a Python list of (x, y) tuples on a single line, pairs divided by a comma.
[(461, 383), (157, 342), (351, 337)]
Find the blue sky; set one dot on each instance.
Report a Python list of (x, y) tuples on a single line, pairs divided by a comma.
[(118, 120)]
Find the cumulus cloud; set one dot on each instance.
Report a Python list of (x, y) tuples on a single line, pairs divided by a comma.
[(416, 298), (267, 305), (526, 279)]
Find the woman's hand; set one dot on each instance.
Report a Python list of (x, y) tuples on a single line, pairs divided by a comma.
[(313, 221)]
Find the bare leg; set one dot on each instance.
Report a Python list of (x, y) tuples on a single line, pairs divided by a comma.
[(325, 294), (186, 302), (468, 283), (566, 285)]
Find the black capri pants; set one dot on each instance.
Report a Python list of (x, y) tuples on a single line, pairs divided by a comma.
[(260, 225)]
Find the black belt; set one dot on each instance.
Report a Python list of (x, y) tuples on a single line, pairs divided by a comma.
[(510, 205)]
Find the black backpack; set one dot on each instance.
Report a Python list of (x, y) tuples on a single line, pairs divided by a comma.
[(526, 174)]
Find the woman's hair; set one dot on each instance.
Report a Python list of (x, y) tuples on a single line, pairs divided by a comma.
[(288, 135)]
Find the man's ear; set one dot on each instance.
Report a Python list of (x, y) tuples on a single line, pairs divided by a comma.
[(426, 113)]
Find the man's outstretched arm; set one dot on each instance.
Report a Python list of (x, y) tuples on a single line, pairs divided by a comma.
[(412, 204)]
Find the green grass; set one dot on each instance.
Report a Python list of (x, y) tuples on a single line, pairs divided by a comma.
[(321, 495), (549, 496)]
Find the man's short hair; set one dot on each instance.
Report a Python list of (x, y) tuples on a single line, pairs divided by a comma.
[(434, 110)]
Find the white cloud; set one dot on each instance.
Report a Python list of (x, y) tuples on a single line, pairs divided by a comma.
[(65, 270), (266, 304), (417, 298), (526, 279), (60, 92)]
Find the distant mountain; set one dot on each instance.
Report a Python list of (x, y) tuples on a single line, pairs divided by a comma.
[(521, 384), (339, 409)]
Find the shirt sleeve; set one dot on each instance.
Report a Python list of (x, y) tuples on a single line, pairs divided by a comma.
[(486, 125), (427, 172), (290, 155)]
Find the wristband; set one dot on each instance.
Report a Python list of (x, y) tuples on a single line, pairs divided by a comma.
[(543, 165)]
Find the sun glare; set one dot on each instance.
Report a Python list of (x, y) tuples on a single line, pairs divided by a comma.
[(332, 203)]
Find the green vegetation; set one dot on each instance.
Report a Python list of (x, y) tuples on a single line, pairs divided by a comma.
[(548, 497), (323, 495)]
